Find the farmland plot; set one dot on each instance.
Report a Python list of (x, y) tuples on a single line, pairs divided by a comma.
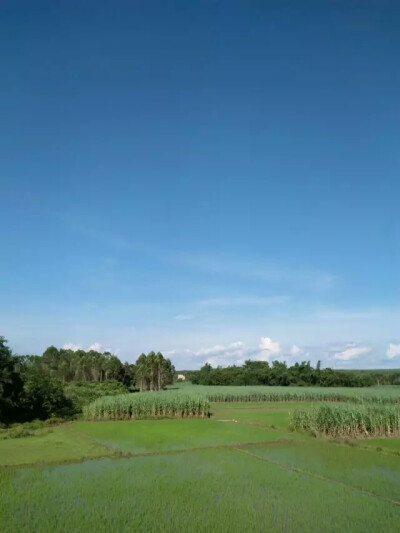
[(240, 470)]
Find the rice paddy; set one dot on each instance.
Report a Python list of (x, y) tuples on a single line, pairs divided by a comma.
[(242, 469)]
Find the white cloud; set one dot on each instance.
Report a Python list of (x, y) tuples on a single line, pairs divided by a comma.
[(393, 351), (351, 352), (96, 347), (220, 349), (183, 317), (220, 355), (296, 350), (72, 346), (267, 349), (168, 353), (268, 345)]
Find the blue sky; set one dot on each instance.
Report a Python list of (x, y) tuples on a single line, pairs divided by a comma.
[(216, 180)]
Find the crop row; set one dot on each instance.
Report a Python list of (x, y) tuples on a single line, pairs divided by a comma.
[(348, 420), (147, 405), (288, 396)]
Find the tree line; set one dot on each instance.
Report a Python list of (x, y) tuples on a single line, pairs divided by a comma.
[(280, 374), (153, 372), (59, 382)]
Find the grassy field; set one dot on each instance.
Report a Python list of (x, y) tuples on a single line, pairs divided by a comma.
[(240, 470), (383, 394)]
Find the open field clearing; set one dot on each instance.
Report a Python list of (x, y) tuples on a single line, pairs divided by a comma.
[(57, 445), (210, 490), (392, 444), (274, 414), (353, 466), (164, 435), (197, 475)]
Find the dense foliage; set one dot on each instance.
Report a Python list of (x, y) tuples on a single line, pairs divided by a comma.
[(81, 365), (153, 372), (349, 420), (81, 393), (11, 384), (61, 381), (151, 405), (279, 374), (232, 394)]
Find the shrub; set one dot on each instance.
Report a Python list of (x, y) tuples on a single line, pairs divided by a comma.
[(84, 392)]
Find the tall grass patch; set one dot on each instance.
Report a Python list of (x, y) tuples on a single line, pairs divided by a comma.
[(148, 405), (385, 396), (348, 420)]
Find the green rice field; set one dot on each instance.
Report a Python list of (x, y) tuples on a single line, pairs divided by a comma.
[(241, 469)]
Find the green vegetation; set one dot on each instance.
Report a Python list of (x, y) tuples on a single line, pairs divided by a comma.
[(348, 420), (375, 395), (150, 436), (153, 372), (173, 461), (278, 373), (149, 405), (268, 416), (62, 381), (192, 474), (355, 467), (392, 444), (50, 445), (84, 392), (33, 387), (192, 491), (80, 365)]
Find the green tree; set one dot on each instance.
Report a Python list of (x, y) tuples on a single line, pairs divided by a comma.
[(43, 396), (10, 384), (153, 372)]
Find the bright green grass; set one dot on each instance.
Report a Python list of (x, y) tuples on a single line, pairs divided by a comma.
[(383, 390), (386, 393), (217, 491), (163, 435), (275, 406), (265, 413), (60, 445), (353, 466), (265, 417), (389, 443)]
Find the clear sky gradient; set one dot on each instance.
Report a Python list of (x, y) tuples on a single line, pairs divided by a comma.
[(215, 180)]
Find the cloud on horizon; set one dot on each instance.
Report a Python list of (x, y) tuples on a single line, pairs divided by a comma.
[(296, 350), (72, 346), (393, 351), (351, 352), (96, 347)]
